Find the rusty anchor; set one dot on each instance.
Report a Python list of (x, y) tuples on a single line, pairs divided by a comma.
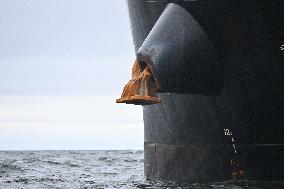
[(141, 89)]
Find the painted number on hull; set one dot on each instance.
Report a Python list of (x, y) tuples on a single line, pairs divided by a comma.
[(227, 132)]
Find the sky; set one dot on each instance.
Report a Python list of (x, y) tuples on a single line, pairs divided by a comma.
[(62, 64)]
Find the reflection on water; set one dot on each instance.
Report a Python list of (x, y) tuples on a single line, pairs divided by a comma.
[(92, 169)]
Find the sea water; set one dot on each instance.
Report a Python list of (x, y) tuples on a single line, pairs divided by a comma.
[(92, 169)]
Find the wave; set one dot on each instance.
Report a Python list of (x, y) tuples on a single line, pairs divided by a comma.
[(10, 165)]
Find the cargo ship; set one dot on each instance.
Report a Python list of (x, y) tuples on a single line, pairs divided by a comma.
[(210, 77)]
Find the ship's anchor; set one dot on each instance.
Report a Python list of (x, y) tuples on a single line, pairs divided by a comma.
[(141, 89)]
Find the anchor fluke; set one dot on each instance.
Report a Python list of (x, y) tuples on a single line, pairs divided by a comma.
[(141, 89)]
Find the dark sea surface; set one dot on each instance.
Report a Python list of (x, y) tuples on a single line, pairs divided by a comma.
[(92, 169)]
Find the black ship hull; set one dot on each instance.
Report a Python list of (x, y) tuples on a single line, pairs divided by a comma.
[(226, 121)]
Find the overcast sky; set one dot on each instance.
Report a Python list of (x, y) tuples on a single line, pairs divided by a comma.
[(64, 46), (62, 64)]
